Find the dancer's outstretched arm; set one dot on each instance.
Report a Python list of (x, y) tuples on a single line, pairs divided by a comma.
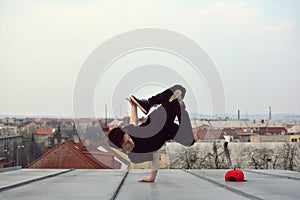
[(154, 168), (133, 115), (155, 160)]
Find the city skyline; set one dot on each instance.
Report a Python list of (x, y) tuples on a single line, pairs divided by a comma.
[(253, 45)]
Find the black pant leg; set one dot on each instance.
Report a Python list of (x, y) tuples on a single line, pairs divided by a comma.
[(165, 95)]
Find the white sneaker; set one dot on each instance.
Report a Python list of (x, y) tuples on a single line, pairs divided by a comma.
[(176, 95)]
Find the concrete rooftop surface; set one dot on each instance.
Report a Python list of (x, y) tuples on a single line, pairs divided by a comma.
[(37, 184)]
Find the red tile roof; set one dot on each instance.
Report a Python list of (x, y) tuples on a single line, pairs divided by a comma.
[(211, 134), (43, 131), (207, 134), (70, 120), (270, 130), (71, 155)]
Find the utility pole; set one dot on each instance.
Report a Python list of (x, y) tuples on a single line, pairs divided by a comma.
[(19, 146)]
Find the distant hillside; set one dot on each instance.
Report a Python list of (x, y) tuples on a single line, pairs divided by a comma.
[(281, 116), (33, 116)]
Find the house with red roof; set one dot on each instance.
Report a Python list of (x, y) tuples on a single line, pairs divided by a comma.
[(215, 135), (43, 131), (41, 134), (74, 154), (270, 131)]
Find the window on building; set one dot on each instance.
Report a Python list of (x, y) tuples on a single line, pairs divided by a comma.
[(294, 139)]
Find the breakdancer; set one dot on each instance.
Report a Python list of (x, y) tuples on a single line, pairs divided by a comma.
[(141, 142)]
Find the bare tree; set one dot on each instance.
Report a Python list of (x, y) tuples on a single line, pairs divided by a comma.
[(259, 157), (216, 159), (277, 154), (179, 159), (189, 158), (227, 154), (289, 154), (192, 158)]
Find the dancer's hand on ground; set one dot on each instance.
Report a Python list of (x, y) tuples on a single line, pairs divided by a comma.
[(146, 180), (151, 178)]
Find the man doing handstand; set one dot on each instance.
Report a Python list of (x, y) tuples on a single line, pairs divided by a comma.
[(141, 142)]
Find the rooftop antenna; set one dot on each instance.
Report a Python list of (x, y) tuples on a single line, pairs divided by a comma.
[(106, 114), (105, 128)]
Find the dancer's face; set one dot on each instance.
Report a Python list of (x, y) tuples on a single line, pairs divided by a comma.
[(127, 144)]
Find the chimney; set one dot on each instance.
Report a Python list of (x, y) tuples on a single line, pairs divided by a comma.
[(106, 114), (270, 112), (239, 115), (105, 128)]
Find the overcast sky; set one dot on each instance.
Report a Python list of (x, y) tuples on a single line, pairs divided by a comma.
[(254, 45)]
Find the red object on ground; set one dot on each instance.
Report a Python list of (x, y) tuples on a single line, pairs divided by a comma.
[(235, 175)]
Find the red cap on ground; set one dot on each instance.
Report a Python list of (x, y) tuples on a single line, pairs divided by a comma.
[(234, 175)]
